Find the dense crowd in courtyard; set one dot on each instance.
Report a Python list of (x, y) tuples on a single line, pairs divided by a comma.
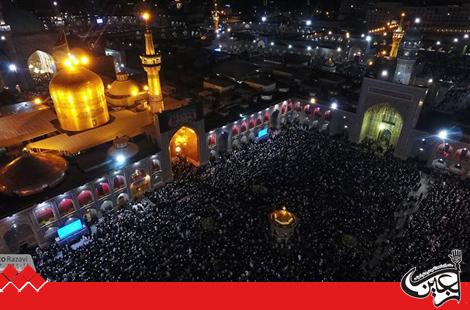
[(362, 216)]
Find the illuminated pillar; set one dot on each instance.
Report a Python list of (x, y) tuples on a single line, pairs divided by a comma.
[(397, 37), (215, 17), (151, 61)]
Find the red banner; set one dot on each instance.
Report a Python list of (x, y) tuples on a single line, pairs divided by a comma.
[(221, 296)]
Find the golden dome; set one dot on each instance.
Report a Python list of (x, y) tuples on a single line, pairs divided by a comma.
[(123, 92), (79, 100), (283, 217), (123, 87), (31, 173)]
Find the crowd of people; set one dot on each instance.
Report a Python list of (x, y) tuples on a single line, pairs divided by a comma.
[(361, 216)]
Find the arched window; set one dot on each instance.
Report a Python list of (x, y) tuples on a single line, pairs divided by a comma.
[(66, 207), (212, 140), (84, 197), (290, 106), (44, 214), (267, 116), (284, 108), (243, 127), (102, 190), (235, 130), (119, 182)]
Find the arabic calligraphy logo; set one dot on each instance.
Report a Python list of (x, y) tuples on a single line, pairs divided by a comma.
[(442, 282), (20, 280)]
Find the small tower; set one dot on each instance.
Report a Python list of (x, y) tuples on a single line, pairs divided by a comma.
[(151, 61), (397, 36), (215, 17), (407, 56)]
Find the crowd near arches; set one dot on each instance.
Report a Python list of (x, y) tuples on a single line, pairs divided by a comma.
[(211, 222)]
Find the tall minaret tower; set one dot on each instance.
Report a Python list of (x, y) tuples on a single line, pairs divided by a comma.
[(397, 36), (151, 61), (215, 17), (407, 56)]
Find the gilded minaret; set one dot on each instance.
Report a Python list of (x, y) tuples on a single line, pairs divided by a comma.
[(151, 61), (215, 17), (397, 37)]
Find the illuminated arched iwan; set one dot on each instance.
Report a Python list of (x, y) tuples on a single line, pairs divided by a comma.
[(383, 124), (185, 143)]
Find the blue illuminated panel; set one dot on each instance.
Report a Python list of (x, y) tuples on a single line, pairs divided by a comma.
[(262, 133), (69, 229)]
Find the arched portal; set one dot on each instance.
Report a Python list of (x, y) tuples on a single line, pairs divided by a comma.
[(184, 143), (41, 65), (383, 124)]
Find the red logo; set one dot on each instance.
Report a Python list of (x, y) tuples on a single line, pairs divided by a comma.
[(19, 280)]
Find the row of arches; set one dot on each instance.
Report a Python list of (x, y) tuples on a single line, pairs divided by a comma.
[(446, 150)]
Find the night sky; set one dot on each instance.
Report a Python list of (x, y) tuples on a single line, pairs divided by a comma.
[(100, 6)]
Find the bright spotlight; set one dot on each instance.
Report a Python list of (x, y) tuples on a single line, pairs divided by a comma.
[(290, 46), (417, 20), (84, 60), (308, 22), (120, 159), (368, 38), (264, 19), (146, 16), (178, 149), (384, 73), (12, 67), (442, 134), (334, 105)]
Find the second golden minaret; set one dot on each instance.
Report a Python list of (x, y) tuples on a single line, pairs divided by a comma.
[(151, 61)]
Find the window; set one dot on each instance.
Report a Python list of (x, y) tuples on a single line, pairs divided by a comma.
[(66, 206), (102, 189), (44, 214)]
